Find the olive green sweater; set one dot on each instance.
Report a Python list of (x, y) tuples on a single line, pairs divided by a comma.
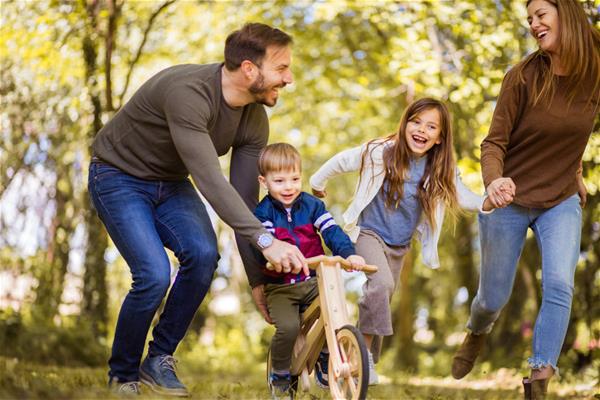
[(178, 123)]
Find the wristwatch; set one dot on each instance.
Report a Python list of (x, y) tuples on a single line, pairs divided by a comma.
[(264, 240)]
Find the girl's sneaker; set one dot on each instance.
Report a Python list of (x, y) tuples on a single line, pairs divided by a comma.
[(373, 377), (321, 371)]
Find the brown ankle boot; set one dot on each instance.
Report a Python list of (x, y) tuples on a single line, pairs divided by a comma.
[(536, 389), (465, 356)]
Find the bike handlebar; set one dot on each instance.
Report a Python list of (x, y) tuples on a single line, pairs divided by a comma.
[(313, 262)]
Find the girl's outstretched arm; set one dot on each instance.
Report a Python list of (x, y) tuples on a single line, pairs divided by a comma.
[(467, 199), (345, 161)]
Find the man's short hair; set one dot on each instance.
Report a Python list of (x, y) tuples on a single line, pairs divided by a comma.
[(251, 42), (278, 157)]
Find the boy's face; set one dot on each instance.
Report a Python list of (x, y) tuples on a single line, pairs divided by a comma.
[(284, 186)]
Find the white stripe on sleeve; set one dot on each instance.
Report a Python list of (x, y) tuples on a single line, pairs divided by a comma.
[(329, 223), (322, 219)]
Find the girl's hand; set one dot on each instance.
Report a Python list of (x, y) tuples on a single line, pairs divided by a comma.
[(582, 190), (319, 193), (487, 204), (501, 192), (356, 261)]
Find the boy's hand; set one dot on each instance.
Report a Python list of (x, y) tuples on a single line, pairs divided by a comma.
[(319, 193), (258, 295), (356, 261)]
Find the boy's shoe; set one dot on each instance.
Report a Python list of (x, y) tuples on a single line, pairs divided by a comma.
[(124, 388), (321, 370), (373, 377), (158, 373), (281, 386)]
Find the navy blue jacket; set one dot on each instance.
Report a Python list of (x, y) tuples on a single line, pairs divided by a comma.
[(301, 227)]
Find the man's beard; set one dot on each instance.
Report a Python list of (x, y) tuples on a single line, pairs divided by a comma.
[(259, 91)]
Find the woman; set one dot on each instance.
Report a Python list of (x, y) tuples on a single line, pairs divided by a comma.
[(531, 165)]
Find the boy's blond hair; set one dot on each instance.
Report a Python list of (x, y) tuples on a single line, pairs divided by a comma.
[(278, 157)]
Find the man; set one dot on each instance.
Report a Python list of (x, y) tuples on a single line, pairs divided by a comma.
[(176, 124)]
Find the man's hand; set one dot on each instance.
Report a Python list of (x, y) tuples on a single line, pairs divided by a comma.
[(285, 258), (258, 295), (581, 189), (501, 192), (356, 261), (319, 193)]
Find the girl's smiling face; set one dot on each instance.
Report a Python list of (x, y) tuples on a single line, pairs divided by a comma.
[(423, 131)]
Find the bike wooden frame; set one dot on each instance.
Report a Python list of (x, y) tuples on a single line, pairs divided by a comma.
[(322, 322)]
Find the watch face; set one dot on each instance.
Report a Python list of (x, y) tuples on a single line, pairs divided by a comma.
[(265, 240)]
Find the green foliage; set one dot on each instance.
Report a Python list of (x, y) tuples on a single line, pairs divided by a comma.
[(19, 379), (71, 344)]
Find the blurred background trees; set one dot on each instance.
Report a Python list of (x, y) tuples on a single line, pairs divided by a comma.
[(68, 66)]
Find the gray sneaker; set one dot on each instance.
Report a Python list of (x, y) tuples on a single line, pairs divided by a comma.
[(124, 388), (373, 377), (158, 373)]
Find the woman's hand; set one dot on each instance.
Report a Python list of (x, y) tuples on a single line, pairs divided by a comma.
[(319, 193), (501, 192)]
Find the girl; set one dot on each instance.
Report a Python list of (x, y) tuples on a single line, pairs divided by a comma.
[(406, 181), (542, 122)]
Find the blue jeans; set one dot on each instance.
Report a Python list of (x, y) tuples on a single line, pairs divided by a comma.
[(142, 218), (558, 234)]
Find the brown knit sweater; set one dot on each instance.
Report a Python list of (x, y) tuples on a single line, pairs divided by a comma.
[(539, 147)]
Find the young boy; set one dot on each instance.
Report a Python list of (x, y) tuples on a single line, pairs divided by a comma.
[(297, 218)]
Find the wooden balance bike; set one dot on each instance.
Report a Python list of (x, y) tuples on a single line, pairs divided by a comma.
[(326, 320)]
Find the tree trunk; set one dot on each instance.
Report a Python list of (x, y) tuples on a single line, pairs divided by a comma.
[(52, 274), (406, 356), (95, 296), (465, 262)]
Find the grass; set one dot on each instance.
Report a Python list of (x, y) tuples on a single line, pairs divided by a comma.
[(23, 380)]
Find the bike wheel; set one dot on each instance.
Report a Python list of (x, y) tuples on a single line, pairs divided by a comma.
[(353, 378)]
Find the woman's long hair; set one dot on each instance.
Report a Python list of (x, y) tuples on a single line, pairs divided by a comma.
[(440, 169), (579, 52)]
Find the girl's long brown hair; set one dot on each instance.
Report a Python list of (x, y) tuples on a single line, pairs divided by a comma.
[(440, 169), (579, 49)]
